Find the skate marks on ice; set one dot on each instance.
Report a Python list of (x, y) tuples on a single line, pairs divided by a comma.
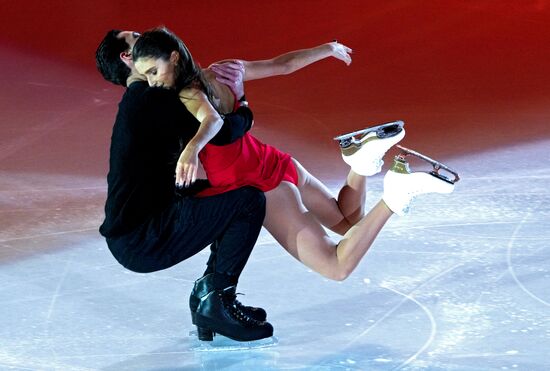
[(406, 298), (509, 259), (433, 326), (482, 296), (225, 344), (477, 280)]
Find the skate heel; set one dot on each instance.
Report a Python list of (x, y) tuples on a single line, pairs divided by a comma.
[(205, 334)]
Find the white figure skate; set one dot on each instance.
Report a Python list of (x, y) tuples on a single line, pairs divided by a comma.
[(401, 186), (364, 155)]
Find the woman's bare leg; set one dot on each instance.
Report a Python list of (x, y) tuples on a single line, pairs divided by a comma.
[(351, 198), (300, 233), (336, 214)]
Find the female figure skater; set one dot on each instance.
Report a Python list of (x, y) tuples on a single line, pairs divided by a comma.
[(298, 204)]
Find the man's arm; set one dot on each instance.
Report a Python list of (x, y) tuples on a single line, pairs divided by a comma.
[(283, 64), (235, 125)]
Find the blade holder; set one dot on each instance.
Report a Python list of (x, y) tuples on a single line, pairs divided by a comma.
[(437, 166)]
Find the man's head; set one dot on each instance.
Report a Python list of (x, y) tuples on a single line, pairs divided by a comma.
[(114, 56)]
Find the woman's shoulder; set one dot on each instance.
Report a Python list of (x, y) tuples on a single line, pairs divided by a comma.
[(191, 92)]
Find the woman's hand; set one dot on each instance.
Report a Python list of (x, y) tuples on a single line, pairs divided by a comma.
[(187, 166), (341, 52)]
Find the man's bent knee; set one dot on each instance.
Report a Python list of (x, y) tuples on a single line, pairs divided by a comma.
[(254, 199)]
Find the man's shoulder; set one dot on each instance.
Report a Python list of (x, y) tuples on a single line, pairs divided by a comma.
[(139, 94), (141, 102), (143, 89), (134, 93), (137, 87), (157, 92)]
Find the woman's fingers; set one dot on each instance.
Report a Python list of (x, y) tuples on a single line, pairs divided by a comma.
[(186, 174), (342, 52), (179, 175)]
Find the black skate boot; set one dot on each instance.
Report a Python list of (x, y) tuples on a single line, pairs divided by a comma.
[(218, 313), (206, 284)]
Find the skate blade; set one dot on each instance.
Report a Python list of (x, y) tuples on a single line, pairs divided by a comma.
[(437, 166), (386, 130), (225, 344)]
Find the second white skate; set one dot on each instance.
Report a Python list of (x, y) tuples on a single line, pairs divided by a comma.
[(401, 186)]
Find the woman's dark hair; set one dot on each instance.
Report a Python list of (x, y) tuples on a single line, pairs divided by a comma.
[(160, 43), (107, 58)]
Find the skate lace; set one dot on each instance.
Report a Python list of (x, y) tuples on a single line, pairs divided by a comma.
[(235, 308), (240, 305)]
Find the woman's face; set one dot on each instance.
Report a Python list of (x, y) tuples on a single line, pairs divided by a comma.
[(159, 72)]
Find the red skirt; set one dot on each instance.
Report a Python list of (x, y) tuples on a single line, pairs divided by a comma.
[(245, 162)]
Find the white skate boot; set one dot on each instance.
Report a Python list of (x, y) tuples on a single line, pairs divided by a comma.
[(401, 186), (364, 155)]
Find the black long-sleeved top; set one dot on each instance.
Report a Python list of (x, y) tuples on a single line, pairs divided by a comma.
[(151, 129)]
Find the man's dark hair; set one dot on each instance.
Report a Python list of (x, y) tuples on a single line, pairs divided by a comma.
[(107, 58)]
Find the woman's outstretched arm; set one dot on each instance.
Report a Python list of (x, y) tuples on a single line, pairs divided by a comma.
[(283, 64)]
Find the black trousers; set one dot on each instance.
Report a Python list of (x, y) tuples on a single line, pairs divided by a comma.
[(232, 220)]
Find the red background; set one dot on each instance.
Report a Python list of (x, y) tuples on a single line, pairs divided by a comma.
[(466, 76)]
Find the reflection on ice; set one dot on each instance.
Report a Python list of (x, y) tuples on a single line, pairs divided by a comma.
[(224, 344)]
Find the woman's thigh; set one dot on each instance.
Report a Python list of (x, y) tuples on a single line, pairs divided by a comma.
[(318, 199), (297, 230)]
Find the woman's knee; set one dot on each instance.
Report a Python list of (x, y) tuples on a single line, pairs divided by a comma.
[(342, 227), (337, 274)]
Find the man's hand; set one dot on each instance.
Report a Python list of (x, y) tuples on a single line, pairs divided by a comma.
[(230, 73)]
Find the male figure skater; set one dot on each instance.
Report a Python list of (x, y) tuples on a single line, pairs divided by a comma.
[(151, 225)]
